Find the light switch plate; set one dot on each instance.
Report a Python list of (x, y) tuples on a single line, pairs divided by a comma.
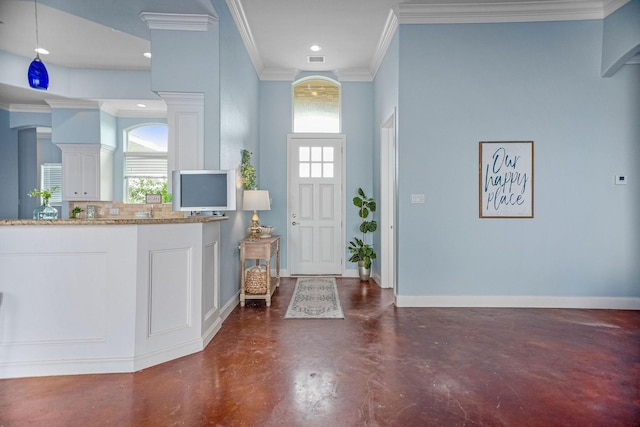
[(153, 198), (417, 198), (621, 180)]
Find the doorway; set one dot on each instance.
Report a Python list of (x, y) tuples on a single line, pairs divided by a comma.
[(315, 170), (388, 181)]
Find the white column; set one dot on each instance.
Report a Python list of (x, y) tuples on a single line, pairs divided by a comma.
[(185, 118)]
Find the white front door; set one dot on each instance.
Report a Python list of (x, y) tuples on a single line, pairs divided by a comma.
[(315, 236)]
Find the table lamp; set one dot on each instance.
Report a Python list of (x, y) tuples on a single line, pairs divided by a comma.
[(255, 200)]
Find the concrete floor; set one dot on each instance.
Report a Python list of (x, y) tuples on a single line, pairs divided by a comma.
[(380, 366)]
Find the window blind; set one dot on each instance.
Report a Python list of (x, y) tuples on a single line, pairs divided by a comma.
[(51, 176), (145, 167)]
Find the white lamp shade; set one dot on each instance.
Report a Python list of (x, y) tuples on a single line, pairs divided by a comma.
[(256, 200)]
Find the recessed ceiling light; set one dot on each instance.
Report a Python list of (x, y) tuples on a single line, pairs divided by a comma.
[(141, 105), (42, 51), (147, 54), (315, 48)]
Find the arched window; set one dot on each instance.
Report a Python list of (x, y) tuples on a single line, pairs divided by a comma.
[(145, 163), (316, 105)]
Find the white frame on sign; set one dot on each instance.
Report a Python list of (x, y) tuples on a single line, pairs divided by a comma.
[(506, 179)]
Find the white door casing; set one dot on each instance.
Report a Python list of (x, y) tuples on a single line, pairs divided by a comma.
[(388, 204), (315, 244)]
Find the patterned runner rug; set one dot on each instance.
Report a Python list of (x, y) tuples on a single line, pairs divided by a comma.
[(315, 298)]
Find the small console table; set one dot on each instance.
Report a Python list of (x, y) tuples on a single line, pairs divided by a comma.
[(260, 249)]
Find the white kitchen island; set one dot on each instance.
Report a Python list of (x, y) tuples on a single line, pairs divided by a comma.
[(81, 296)]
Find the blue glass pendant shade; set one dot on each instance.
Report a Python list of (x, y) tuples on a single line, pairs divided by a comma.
[(38, 76)]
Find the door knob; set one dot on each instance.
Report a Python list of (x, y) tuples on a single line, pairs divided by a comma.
[(294, 223)]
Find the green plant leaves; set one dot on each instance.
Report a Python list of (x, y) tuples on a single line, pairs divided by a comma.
[(358, 249), (247, 171)]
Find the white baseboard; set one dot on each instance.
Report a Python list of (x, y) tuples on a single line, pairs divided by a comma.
[(166, 354), (42, 368), (353, 272), (523, 301), (229, 306)]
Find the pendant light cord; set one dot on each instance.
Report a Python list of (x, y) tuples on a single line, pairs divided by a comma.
[(35, 3)]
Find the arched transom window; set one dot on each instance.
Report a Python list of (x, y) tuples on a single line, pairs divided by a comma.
[(316, 105)]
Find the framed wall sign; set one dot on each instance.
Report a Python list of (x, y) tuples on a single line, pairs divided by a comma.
[(506, 179)]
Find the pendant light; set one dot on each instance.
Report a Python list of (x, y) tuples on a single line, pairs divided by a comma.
[(37, 74)]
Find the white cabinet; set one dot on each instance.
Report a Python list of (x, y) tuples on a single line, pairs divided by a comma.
[(87, 172)]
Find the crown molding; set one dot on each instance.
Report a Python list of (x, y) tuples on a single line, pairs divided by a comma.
[(504, 11), (279, 74), (610, 6), (120, 112), (43, 132), (108, 109), (76, 104), (237, 12), (184, 99), (634, 60), (155, 114), (26, 108), (388, 31), (354, 75), (178, 21)]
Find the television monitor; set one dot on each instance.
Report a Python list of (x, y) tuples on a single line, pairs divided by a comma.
[(204, 190)]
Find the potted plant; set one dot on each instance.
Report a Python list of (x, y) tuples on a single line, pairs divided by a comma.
[(361, 252), (247, 171), (46, 211), (75, 212)]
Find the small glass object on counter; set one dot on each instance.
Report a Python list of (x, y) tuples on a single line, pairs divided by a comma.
[(45, 211), (91, 212)]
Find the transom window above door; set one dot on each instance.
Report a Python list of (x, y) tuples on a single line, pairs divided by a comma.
[(315, 162), (316, 105)]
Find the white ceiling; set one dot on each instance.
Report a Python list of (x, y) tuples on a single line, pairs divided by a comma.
[(277, 34)]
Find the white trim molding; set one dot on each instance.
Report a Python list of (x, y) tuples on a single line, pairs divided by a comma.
[(27, 108), (354, 75), (388, 32), (237, 12), (178, 21), (74, 104), (506, 11), (611, 6), (524, 301), (278, 74)]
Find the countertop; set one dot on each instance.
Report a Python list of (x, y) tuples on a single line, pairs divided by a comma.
[(112, 221)]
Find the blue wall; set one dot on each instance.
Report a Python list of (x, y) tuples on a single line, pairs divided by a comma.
[(386, 86), (8, 168), (275, 125), (239, 129), (461, 84)]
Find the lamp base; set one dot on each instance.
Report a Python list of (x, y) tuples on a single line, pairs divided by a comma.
[(255, 231)]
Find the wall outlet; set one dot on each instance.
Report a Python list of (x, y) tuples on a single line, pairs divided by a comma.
[(114, 211)]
